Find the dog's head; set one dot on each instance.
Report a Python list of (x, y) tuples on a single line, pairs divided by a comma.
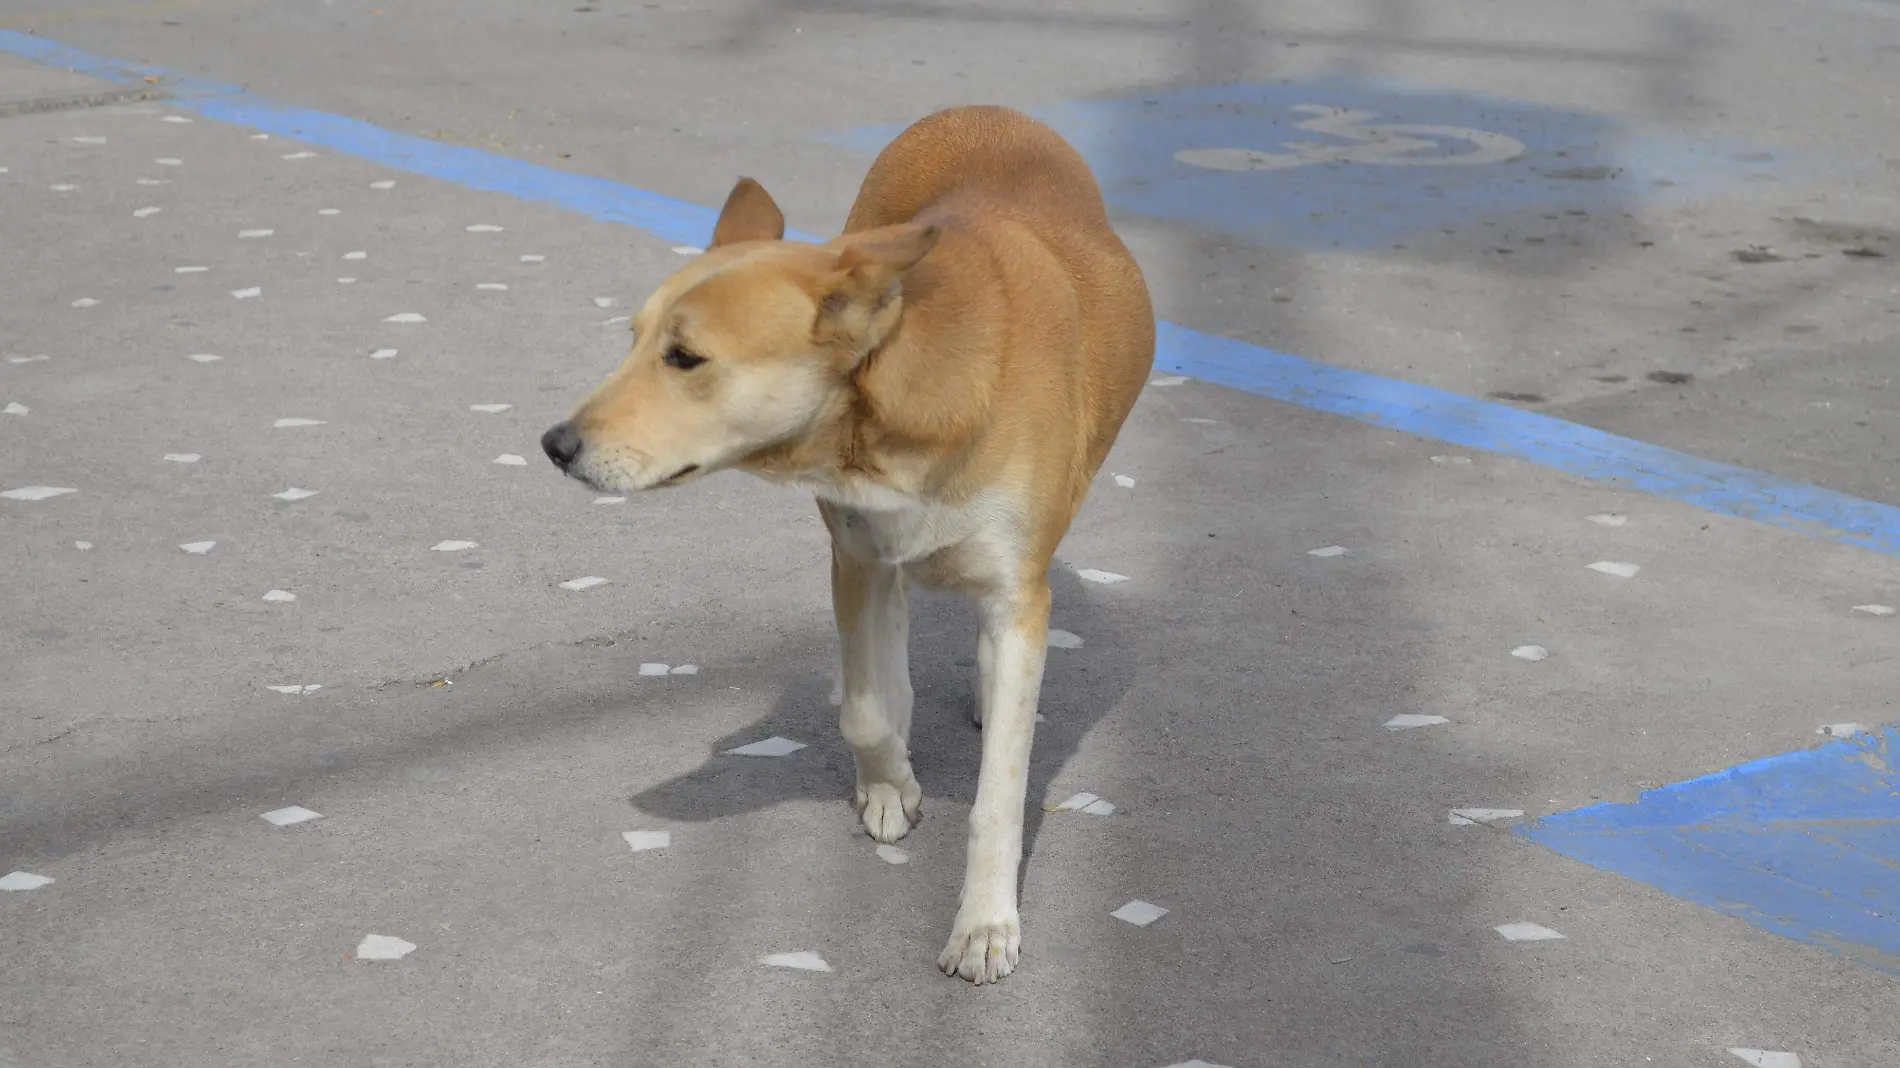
[(747, 349)]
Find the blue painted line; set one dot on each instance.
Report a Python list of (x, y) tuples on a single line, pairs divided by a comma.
[(1403, 406), (1806, 845)]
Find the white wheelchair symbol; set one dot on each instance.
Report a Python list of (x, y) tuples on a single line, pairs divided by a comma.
[(1388, 145)]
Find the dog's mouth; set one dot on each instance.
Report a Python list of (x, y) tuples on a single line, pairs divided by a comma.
[(676, 477)]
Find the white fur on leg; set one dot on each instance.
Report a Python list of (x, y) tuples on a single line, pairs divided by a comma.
[(986, 939), (874, 716)]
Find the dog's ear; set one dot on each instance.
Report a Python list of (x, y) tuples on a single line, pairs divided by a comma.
[(749, 215), (861, 299)]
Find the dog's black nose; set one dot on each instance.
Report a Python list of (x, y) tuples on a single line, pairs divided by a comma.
[(561, 444)]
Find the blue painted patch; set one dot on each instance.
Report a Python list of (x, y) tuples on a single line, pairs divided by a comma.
[(1415, 409), (1806, 845), (1566, 160)]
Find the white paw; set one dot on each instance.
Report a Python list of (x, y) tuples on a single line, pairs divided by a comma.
[(888, 812), (983, 948)]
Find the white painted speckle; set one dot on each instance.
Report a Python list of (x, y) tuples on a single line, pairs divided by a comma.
[(1840, 730), (383, 354), (260, 137), (1199, 421), (641, 841), (203, 357), (1766, 1058), (189, 270), (15, 408), (491, 409), (174, 118), (303, 690), (85, 302), (82, 546), (346, 281), (603, 302), (279, 596), (383, 183), (254, 234), (198, 548), (1530, 652), (1611, 567), (686, 669), (1139, 913), (359, 254), (90, 140), (406, 317), (1062, 639), (23, 880), (453, 546), (295, 421), (688, 250), (300, 155), (36, 493), (1608, 519), (1406, 721), (1328, 550), (610, 500), (1523, 931), (1106, 578), (532, 258), (248, 293), (483, 228), (153, 181), (146, 212), (1453, 461), (1467, 816), (775, 746), (383, 947), (168, 162), (1875, 609), (63, 187), (1196, 1063), (492, 287), (890, 854), (329, 211), (653, 669), (509, 459), (617, 320), (294, 494), (28, 359), (803, 961), (1168, 380), (284, 817), (1124, 482), (585, 582)]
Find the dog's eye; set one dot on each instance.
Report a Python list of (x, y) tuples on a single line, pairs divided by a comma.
[(680, 358)]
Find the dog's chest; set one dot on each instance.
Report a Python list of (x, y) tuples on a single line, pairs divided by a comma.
[(897, 530)]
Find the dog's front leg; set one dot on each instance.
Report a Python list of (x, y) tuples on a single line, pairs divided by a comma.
[(873, 632), (987, 936)]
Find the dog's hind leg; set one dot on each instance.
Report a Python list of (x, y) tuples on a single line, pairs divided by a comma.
[(987, 936), (873, 632)]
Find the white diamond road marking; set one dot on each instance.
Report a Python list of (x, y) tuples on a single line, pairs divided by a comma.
[(85, 302), (1608, 519), (294, 494), (532, 258), (290, 421), (35, 493), (90, 140), (23, 880), (1455, 461), (15, 408), (483, 228), (329, 211), (775, 746), (1406, 721), (279, 595), (383, 184), (1530, 652), (189, 270), (616, 320), (1074, 803), (297, 691), (203, 357), (168, 162), (1124, 482), (509, 459), (284, 817), (1099, 807), (1168, 380), (1766, 1058), (1062, 639), (301, 155), (260, 137), (1523, 931), (174, 118), (1464, 817), (653, 669), (804, 961), (82, 546), (1106, 578), (603, 302), (246, 294), (1200, 422), (146, 213), (1841, 730), (585, 582), (1611, 567), (452, 546), (383, 354), (493, 287), (406, 317), (383, 947), (1875, 609), (641, 841), (1197, 1063), (610, 500), (686, 669), (28, 359), (183, 457), (62, 188), (688, 250), (345, 281), (198, 548), (153, 181), (255, 233), (359, 255), (491, 409), (1329, 550), (890, 854), (1139, 913)]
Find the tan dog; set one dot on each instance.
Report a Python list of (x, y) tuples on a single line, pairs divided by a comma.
[(946, 377)]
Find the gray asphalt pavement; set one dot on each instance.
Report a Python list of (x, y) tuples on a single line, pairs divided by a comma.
[(477, 737)]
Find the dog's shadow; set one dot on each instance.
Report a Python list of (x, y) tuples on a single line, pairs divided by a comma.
[(1079, 685)]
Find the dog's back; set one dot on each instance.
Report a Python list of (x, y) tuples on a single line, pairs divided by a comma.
[(1081, 325)]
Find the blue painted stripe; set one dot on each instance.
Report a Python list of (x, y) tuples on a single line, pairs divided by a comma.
[(1414, 409), (1806, 844)]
